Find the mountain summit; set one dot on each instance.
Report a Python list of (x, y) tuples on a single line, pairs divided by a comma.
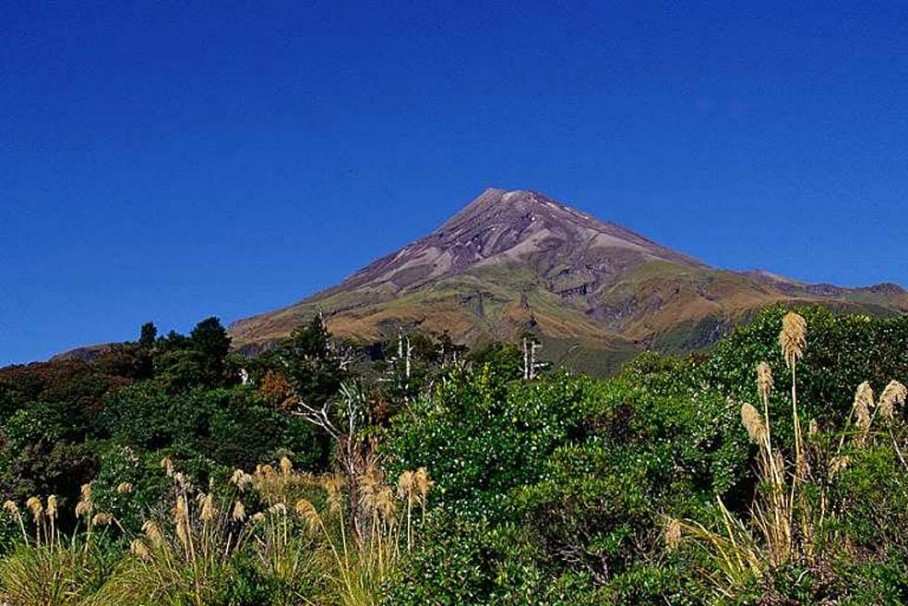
[(512, 261), (522, 227)]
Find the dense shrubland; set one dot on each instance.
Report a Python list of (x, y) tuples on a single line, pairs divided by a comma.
[(770, 471)]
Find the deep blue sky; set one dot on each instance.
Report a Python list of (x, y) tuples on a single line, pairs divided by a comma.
[(170, 161)]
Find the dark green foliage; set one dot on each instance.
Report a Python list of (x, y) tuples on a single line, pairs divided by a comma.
[(45, 467), (589, 466), (147, 335), (233, 427), (310, 362), (842, 352), (482, 437), (141, 469), (210, 340), (504, 360), (463, 562), (199, 360)]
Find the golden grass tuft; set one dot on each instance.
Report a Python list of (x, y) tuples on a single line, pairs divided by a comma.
[(334, 485), (753, 423), (863, 403), (764, 380), (139, 549), (672, 533), (286, 466), (793, 338), (306, 510), (208, 509), (241, 480), (167, 466), (52, 506), (893, 396), (239, 512), (153, 532)]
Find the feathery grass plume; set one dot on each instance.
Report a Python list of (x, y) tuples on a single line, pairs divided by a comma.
[(258, 517), (34, 505), (385, 505), (672, 533), (85, 505), (753, 423), (124, 488), (369, 485), (180, 511), (167, 466), (838, 464), (793, 338), (891, 398), (406, 485), (139, 549), (863, 402), (286, 466), (12, 509), (239, 512), (334, 484), (52, 506), (278, 509), (793, 342), (764, 380), (423, 484), (180, 479), (181, 521), (208, 510), (153, 532), (101, 519), (306, 510), (241, 479)]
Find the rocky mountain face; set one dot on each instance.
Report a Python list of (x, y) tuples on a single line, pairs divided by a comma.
[(594, 292)]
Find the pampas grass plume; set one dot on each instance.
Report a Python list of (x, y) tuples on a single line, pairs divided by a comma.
[(764, 380), (753, 423), (140, 549), (101, 519), (863, 402), (34, 505), (306, 510), (793, 338), (422, 482), (892, 397), (153, 532), (672, 533), (286, 465), (12, 509), (208, 510), (239, 512)]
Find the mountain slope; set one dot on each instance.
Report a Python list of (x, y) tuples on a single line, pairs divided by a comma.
[(516, 261)]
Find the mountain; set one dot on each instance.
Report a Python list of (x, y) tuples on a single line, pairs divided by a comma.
[(594, 292)]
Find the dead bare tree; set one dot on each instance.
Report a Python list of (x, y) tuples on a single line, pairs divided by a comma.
[(342, 418), (531, 367)]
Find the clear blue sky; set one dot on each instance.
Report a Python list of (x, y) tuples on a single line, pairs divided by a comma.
[(168, 161)]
